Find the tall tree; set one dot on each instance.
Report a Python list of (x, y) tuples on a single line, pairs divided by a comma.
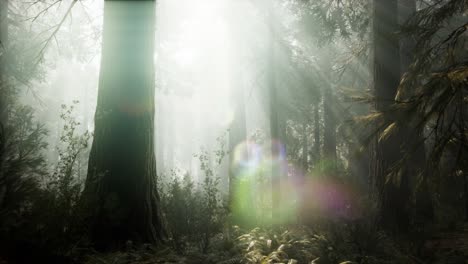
[(120, 192), (3, 63), (329, 136), (415, 165), (237, 130), (3, 90), (329, 116), (316, 147), (273, 112), (305, 147), (393, 193)]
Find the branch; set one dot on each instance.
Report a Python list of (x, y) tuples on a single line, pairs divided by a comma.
[(57, 28)]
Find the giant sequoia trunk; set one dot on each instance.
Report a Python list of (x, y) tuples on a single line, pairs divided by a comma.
[(120, 191), (4, 92), (3, 63), (394, 193)]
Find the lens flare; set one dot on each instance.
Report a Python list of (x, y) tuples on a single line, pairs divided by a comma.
[(327, 197), (247, 156), (304, 196), (277, 152), (253, 166)]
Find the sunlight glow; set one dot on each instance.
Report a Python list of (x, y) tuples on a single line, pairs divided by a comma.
[(192, 65)]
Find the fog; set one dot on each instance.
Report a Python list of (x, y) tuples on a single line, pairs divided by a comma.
[(208, 54), (233, 131), (223, 69)]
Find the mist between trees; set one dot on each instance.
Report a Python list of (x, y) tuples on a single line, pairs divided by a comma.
[(222, 131)]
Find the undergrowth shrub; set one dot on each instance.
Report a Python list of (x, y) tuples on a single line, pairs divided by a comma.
[(22, 166), (62, 189), (288, 245), (195, 212), (37, 205)]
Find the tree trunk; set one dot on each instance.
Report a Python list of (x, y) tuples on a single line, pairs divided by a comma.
[(3, 63), (238, 129), (329, 136), (121, 195), (406, 9), (274, 126), (316, 148), (275, 153), (237, 134), (393, 194), (305, 148), (424, 209), (4, 93)]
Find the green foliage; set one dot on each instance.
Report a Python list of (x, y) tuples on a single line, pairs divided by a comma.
[(65, 182), (38, 208), (266, 246), (432, 94), (331, 19), (22, 165), (63, 187), (194, 212), (363, 241), (335, 243), (344, 243), (177, 202)]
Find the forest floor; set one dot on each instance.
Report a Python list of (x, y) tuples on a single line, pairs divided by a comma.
[(300, 245), (357, 243)]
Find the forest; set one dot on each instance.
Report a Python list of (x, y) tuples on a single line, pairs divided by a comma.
[(234, 131)]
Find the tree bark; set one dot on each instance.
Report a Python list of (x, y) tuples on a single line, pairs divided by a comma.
[(424, 209), (120, 191), (237, 134), (3, 63), (393, 194)]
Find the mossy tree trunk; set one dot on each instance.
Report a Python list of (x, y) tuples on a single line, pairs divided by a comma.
[(120, 192)]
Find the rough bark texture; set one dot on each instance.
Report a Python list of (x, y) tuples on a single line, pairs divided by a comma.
[(3, 64), (121, 184), (4, 93), (393, 194)]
